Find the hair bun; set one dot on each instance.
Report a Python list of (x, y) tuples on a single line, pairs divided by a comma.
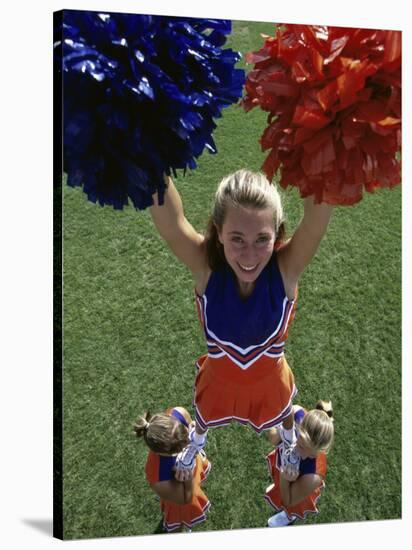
[(141, 425), (326, 407)]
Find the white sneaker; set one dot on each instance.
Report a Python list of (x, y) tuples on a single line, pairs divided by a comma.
[(285, 438), (202, 454), (279, 520), (185, 460), (288, 455)]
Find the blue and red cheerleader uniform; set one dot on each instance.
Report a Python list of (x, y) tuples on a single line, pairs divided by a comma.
[(161, 468), (307, 466), (244, 376)]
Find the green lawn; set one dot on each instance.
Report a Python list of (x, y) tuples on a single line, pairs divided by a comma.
[(131, 337)]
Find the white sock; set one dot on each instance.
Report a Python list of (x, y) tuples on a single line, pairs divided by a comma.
[(289, 434), (199, 439)]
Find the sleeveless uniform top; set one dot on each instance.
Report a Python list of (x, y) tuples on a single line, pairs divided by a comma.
[(308, 465), (245, 329), (161, 468)]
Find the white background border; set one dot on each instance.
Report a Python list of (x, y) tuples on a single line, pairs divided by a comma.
[(26, 270)]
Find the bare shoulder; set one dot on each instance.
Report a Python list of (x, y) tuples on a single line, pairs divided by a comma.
[(290, 282), (194, 255), (201, 279), (299, 251)]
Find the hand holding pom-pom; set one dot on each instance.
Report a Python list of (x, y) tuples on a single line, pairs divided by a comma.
[(334, 102)]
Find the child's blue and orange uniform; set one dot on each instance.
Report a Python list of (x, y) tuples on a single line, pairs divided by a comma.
[(161, 468), (244, 376), (316, 465)]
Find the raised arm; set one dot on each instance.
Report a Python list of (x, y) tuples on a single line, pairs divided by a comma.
[(172, 225), (302, 247)]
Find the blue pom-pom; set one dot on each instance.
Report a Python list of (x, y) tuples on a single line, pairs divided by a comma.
[(140, 95)]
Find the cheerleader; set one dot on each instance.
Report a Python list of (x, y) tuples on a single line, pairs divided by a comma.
[(245, 275), (333, 98), (295, 491), (166, 434)]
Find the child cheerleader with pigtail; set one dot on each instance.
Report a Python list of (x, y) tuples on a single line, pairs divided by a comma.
[(295, 491), (183, 503)]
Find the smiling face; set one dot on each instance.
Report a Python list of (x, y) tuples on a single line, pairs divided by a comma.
[(248, 237)]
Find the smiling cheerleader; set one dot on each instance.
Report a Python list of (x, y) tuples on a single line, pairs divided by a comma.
[(295, 492)]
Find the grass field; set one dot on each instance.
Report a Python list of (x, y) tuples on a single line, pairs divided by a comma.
[(131, 337)]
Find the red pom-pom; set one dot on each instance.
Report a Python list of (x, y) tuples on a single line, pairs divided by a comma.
[(334, 100)]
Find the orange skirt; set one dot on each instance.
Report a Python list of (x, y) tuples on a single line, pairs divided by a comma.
[(306, 506), (177, 515), (260, 396)]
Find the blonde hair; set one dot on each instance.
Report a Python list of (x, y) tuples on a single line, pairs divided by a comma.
[(162, 433), (317, 428), (247, 189)]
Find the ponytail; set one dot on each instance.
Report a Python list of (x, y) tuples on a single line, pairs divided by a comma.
[(161, 432), (142, 425), (326, 407)]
